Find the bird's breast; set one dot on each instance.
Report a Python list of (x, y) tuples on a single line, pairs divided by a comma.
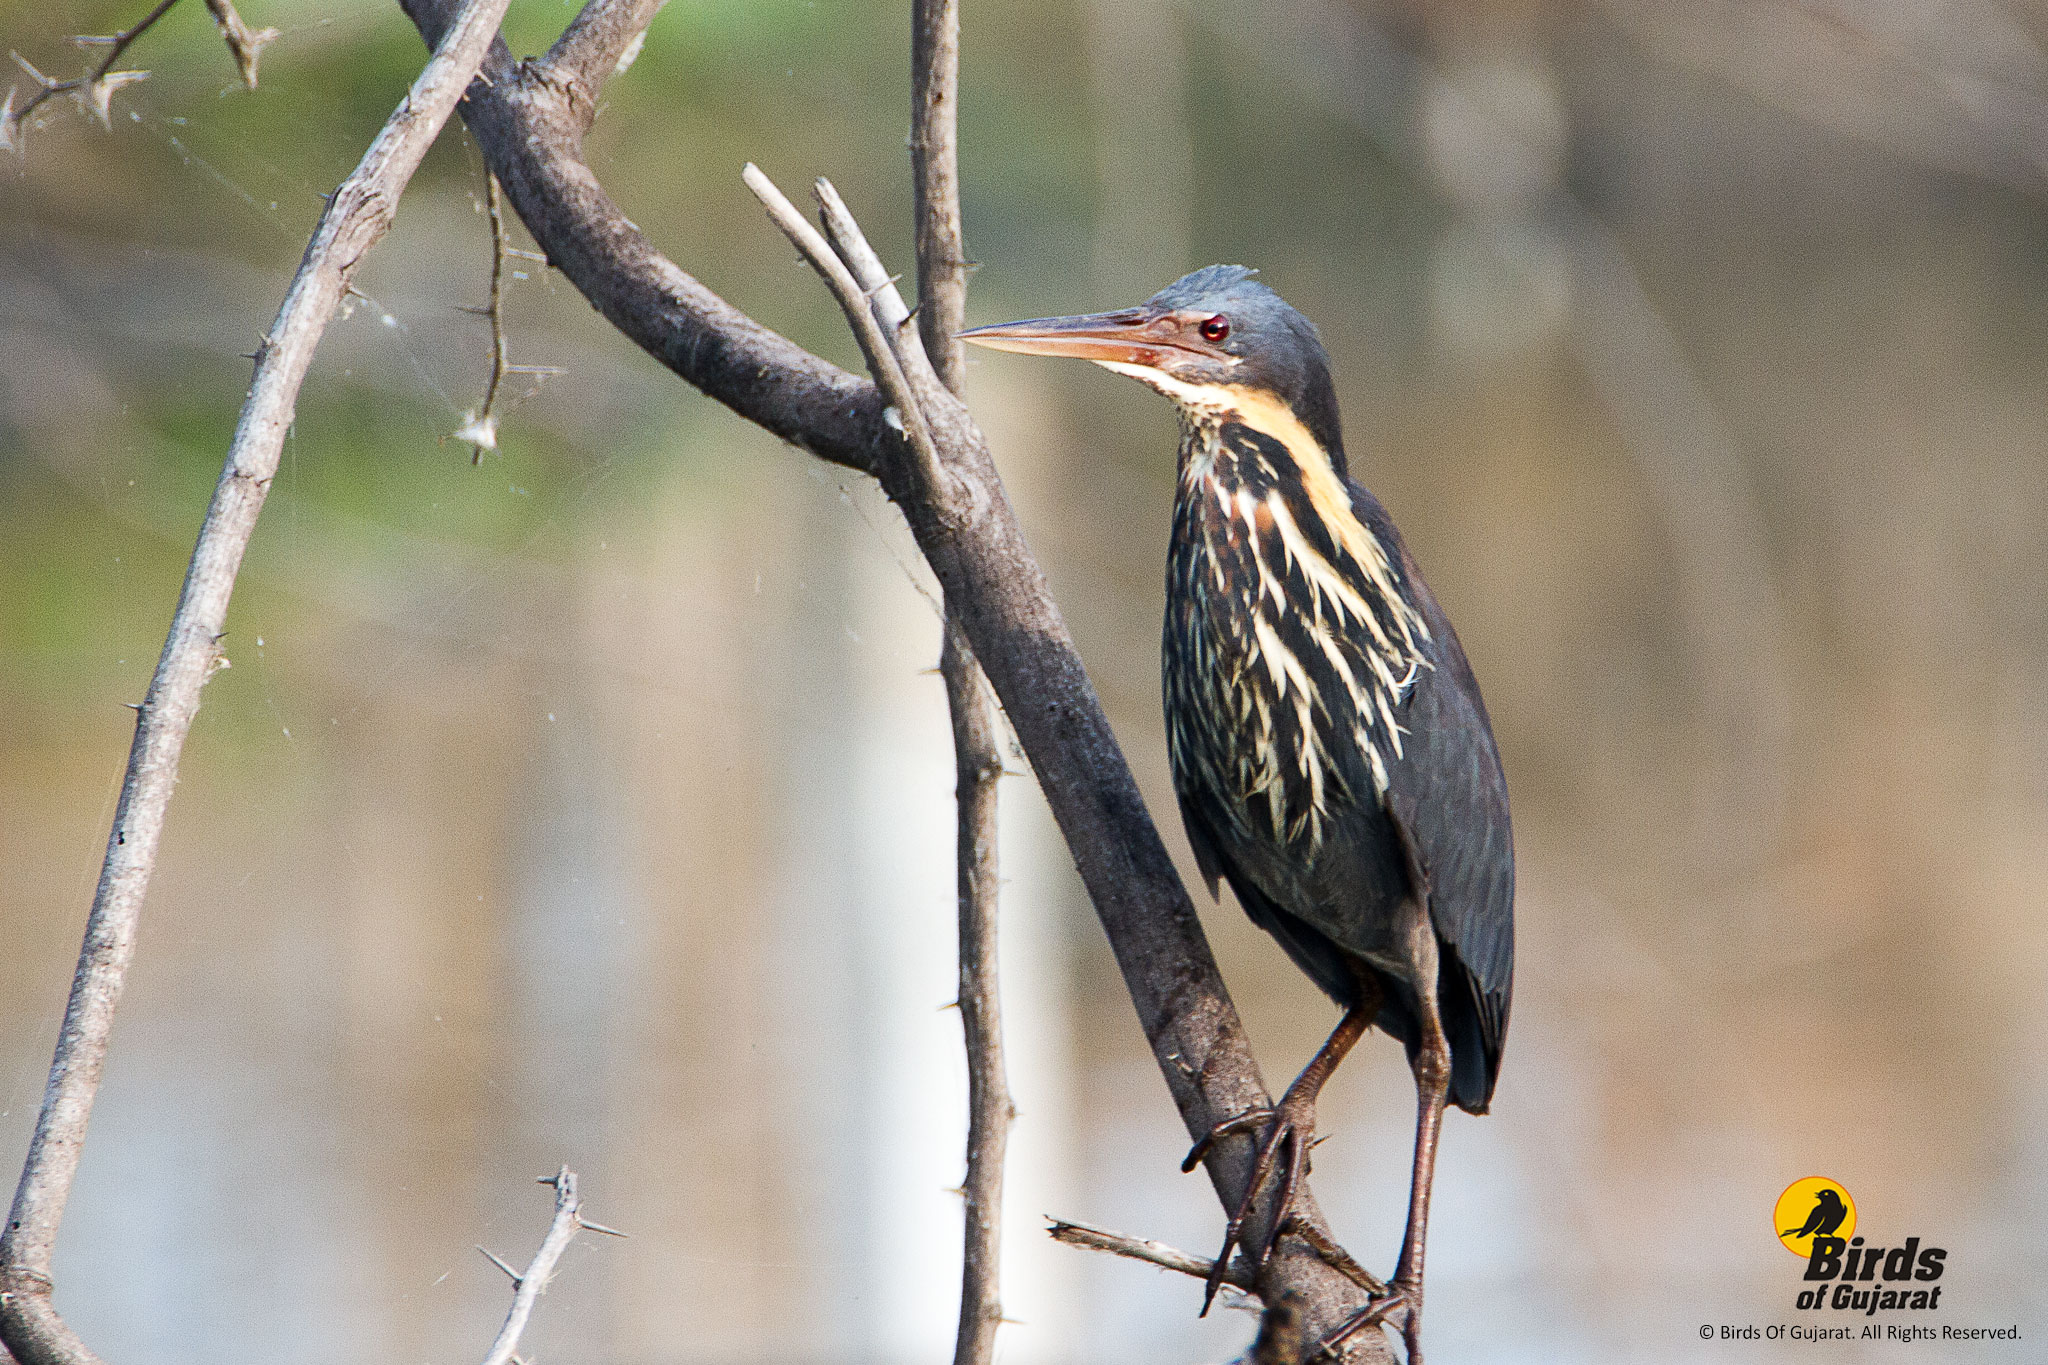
[(1290, 642)]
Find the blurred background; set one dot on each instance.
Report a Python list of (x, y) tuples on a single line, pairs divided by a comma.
[(593, 804)]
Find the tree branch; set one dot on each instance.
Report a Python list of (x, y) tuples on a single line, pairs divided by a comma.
[(356, 218), (935, 184), (95, 83), (479, 429), (978, 765), (941, 302), (529, 1285), (875, 343), (95, 89), (994, 588), (529, 125), (601, 41)]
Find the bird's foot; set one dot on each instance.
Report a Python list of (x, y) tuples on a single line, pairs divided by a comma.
[(1400, 1303), (1230, 1127), (1336, 1257), (1291, 1127)]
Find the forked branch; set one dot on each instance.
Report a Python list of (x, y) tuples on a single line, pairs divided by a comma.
[(95, 89)]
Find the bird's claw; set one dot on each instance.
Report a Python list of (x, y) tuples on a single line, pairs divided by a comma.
[(1293, 1123), (1401, 1303), (1230, 1127)]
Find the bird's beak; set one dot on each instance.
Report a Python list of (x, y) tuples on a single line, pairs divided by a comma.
[(1134, 336)]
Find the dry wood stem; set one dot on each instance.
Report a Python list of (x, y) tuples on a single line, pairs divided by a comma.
[(1091, 1238), (528, 1285), (96, 88), (935, 184), (479, 427), (941, 305)]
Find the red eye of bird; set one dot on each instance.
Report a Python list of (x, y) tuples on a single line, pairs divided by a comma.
[(1216, 328)]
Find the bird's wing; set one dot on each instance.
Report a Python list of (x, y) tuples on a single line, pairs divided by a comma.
[(1448, 794)]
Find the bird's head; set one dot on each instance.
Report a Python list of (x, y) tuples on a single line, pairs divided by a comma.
[(1215, 341)]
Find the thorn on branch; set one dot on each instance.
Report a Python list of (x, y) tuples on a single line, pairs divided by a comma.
[(244, 43), (528, 1286), (499, 1262), (94, 91), (98, 97)]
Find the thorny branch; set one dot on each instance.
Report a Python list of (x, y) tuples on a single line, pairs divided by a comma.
[(935, 184), (530, 122), (95, 90), (355, 220), (528, 1285), (978, 766), (941, 307), (479, 427)]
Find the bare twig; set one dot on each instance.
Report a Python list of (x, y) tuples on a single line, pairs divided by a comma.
[(246, 44), (97, 84), (95, 90), (941, 303), (356, 218), (860, 315), (530, 1284), (941, 405), (935, 183), (530, 134), (1152, 1253), (479, 427), (602, 41), (480, 424), (978, 766)]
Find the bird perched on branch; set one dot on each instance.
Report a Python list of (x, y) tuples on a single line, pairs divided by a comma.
[(1332, 756)]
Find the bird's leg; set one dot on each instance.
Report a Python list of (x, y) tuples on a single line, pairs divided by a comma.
[(1404, 1295), (1293, 1123)]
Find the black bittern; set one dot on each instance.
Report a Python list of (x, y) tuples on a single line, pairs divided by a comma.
[(1330, 749)]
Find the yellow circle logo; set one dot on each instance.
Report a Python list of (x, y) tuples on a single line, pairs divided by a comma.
[(1810, 1208)]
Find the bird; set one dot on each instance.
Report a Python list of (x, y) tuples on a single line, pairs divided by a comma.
[(1332, 757), (1828, 1213)]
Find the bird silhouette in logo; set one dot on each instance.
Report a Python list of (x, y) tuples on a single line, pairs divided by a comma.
[(1828, 1213)]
